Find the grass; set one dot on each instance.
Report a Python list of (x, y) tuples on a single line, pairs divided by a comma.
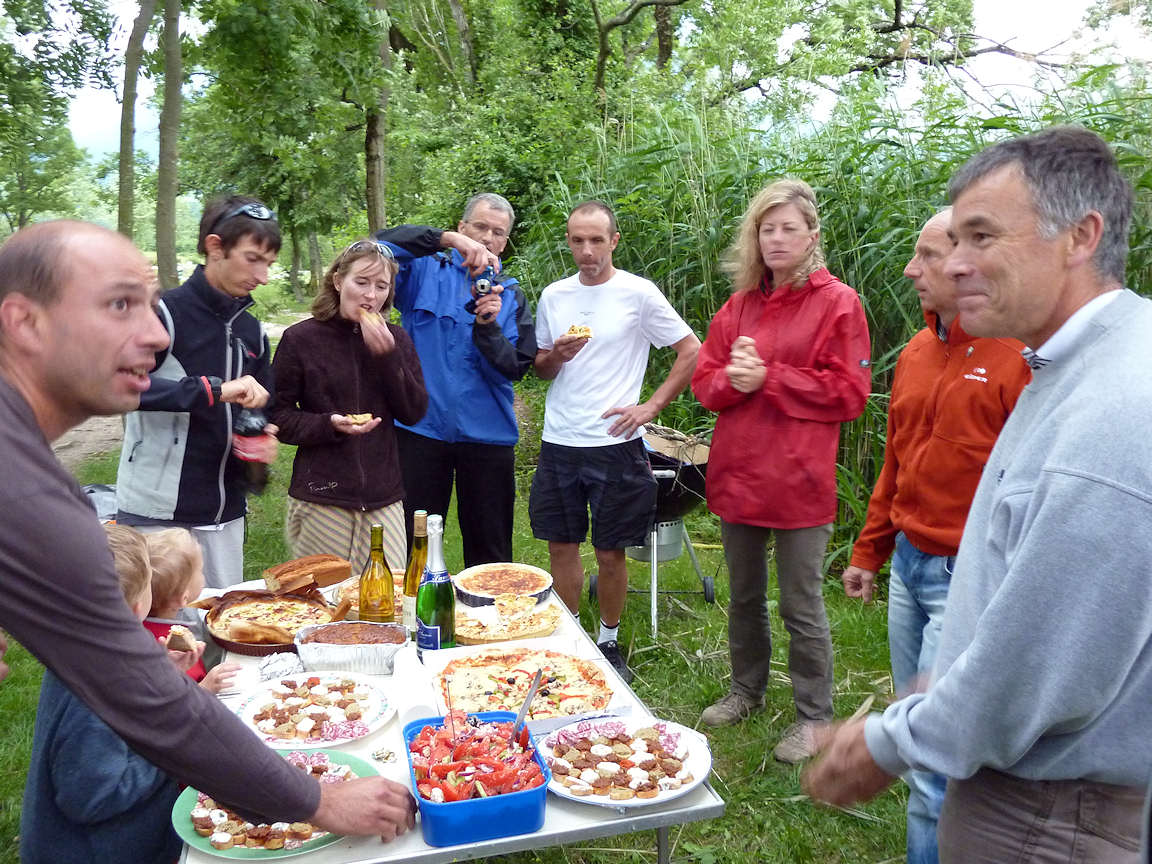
[(677, 675)]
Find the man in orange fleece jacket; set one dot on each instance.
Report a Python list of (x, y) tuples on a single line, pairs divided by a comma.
[(950, 397)]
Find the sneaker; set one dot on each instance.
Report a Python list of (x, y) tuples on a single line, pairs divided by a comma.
[(731, 709), (797, 744), (611, 652)]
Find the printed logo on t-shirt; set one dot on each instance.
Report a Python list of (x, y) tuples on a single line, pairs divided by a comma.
[(978, 373)]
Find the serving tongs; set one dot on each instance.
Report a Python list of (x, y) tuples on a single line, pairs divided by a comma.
[(527, 702)]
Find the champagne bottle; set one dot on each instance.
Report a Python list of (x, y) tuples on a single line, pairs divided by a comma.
[(415, 569), (436, 599), (376, 601)]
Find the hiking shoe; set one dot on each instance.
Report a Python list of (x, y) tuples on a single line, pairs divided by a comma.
[(731, 709), (797, 744), (611, 652)]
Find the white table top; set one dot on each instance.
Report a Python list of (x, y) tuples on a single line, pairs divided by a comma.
[(411, 689)]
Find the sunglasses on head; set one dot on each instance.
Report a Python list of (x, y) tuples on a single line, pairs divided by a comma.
[(252, 210), (369, 246)]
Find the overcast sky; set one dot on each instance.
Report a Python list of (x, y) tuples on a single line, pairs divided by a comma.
[(1028, 25)]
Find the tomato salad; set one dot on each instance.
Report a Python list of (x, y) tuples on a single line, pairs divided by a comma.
[(470, 758)]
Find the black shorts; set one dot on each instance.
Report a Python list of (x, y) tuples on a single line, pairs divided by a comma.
[(615, 482)]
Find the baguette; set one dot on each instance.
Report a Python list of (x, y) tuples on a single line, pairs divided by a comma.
[(290, 581), (324, 570), (180, 638)]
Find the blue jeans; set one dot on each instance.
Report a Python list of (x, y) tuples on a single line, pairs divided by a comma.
[(917, 594)]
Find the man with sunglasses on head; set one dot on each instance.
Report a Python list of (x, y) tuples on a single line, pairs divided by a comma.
[(176, 464), (472, 346)]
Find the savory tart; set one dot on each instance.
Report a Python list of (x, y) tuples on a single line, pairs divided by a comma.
[(515, 618), (261, 618), (480, 585)]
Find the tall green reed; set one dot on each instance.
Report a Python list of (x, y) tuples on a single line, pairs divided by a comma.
[(681, 177)]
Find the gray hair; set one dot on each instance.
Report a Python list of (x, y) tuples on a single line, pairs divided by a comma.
[(496, 202), (1070, 172)]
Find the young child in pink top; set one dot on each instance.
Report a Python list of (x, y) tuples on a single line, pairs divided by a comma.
[(177, 580)]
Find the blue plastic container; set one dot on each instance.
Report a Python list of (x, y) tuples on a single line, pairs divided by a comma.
[(455, 822)]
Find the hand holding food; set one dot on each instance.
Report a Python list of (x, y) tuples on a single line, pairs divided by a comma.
[(377, 336), (354, 424), (568, 345), (180, 638)]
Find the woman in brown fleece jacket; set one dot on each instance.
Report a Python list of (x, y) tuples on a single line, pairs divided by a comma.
[(346, 360)]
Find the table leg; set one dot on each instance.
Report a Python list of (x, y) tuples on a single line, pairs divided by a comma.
[(655, 562), (663, 848)]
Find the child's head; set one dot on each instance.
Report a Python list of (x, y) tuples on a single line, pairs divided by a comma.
[(177, 569), (130, 556)]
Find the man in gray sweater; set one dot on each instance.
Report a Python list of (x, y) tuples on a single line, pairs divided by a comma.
[(78, 335), (1039, 708)]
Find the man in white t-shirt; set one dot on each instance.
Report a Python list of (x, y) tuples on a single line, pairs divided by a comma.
[(592, 456)]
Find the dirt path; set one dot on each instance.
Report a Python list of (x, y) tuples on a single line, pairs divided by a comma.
[(99, 435), (93, 437)]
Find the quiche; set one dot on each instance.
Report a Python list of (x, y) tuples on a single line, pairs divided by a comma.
[(263, 618), (498, 680), (480, 585)]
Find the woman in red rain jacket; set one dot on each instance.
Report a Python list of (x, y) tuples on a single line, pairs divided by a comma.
[(785, 363)]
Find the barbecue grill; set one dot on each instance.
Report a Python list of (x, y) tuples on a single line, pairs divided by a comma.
[(679, 466)]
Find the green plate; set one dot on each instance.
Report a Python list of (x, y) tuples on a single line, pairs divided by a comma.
[(187, 800)]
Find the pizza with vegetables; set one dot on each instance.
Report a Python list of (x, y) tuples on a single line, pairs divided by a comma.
[(498, 680), (468, 757)]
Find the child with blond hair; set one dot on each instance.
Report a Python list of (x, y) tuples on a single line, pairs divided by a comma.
[(89, 797), (177, 580)]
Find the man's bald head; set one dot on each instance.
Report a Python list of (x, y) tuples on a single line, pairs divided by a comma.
[(936, 290), (35, 261)]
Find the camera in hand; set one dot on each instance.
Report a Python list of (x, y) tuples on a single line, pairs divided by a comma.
[(482, 286), (483, 283), (250, 446)]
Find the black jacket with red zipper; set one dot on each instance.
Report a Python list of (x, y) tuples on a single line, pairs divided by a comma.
[(324, 368), (176, 464)]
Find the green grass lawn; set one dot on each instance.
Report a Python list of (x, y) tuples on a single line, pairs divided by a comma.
[(767, 820)]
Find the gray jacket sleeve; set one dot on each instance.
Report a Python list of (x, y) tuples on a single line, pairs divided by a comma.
[(60, 598), (1056, 669)]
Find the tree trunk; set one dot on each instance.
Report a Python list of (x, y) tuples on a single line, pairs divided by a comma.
[(294, 273), (315, 263), (465, 34), (166, 174), (375, 144), (126, 200), (663, 36)]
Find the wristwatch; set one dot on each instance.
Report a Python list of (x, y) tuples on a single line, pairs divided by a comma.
[(215, 384)]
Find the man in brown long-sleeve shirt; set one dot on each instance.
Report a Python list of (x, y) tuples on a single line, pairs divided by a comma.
[(78, 334)]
